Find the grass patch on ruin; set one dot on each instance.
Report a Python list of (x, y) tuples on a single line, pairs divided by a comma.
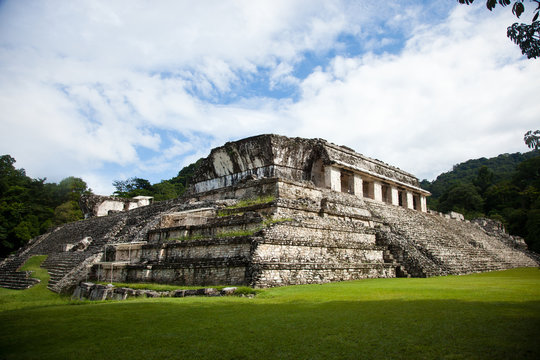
[(482, 316), (253, 201), (249, 232), (270, 221), (245, 203), (231, 233)]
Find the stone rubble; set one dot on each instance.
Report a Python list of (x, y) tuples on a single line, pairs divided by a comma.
[(96, 292)]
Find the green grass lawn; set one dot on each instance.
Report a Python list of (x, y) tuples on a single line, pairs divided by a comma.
[(482, 316)]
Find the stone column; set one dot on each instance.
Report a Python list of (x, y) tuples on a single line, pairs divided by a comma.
[(358, 186), (423, 203), (410, 204), (395, 195), (332, 178), (377, 191)]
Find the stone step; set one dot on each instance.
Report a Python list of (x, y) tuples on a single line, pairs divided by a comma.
[(15, 281)]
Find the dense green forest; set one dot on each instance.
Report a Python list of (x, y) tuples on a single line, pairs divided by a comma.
[(505, 188), (29, 207)]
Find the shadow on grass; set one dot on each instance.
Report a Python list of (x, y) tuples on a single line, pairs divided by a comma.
[(173, 329)]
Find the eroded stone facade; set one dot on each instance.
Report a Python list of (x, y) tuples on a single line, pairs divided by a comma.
[(323, 164)]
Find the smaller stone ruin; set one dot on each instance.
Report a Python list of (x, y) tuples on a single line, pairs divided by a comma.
[(99, 205)]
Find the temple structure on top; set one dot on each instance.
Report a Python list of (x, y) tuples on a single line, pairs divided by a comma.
[(326, 165)]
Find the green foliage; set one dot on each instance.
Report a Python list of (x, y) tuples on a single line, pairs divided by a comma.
[(483, 316), (532, 227), (502, 167), (483, 180), (71, 189), (246, 290), (254, 201), (526, 36), (67, 212), (29, 207), (186, 174), (269, 221), (232, 233), (164, 190), (132, 187), (229, 210), (462, 198), (532, 139)]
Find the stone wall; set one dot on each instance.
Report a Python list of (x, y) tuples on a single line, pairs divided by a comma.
[(322, 239)]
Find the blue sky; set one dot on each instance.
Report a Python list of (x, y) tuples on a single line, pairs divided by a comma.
[(106, 90)]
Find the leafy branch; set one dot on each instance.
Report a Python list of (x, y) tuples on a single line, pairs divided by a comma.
[(526, 36)]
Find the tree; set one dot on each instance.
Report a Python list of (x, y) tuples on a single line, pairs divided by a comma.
[(526, 36), (532, 139), (67, 212), (483, 180), (132, 187), (71, 189), (463, 198), (533, 230), (186, 174), (528, 174), (165, 190)]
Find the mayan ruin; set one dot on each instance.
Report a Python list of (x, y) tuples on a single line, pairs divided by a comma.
[(270, 211)]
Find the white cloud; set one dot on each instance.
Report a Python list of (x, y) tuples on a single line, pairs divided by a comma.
[(109, 90), (458, 90)]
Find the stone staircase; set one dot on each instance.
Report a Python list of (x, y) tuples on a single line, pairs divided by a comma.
[(10, 278), (396, 262), (59, 265), (431, 245), (105, 230)]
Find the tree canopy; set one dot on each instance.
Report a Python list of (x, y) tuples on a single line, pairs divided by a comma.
[(166, 189), (532, 139), (526, 36), (29, 207)]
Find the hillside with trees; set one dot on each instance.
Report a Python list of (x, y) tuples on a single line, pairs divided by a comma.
[(30, 207), (505, 188)]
